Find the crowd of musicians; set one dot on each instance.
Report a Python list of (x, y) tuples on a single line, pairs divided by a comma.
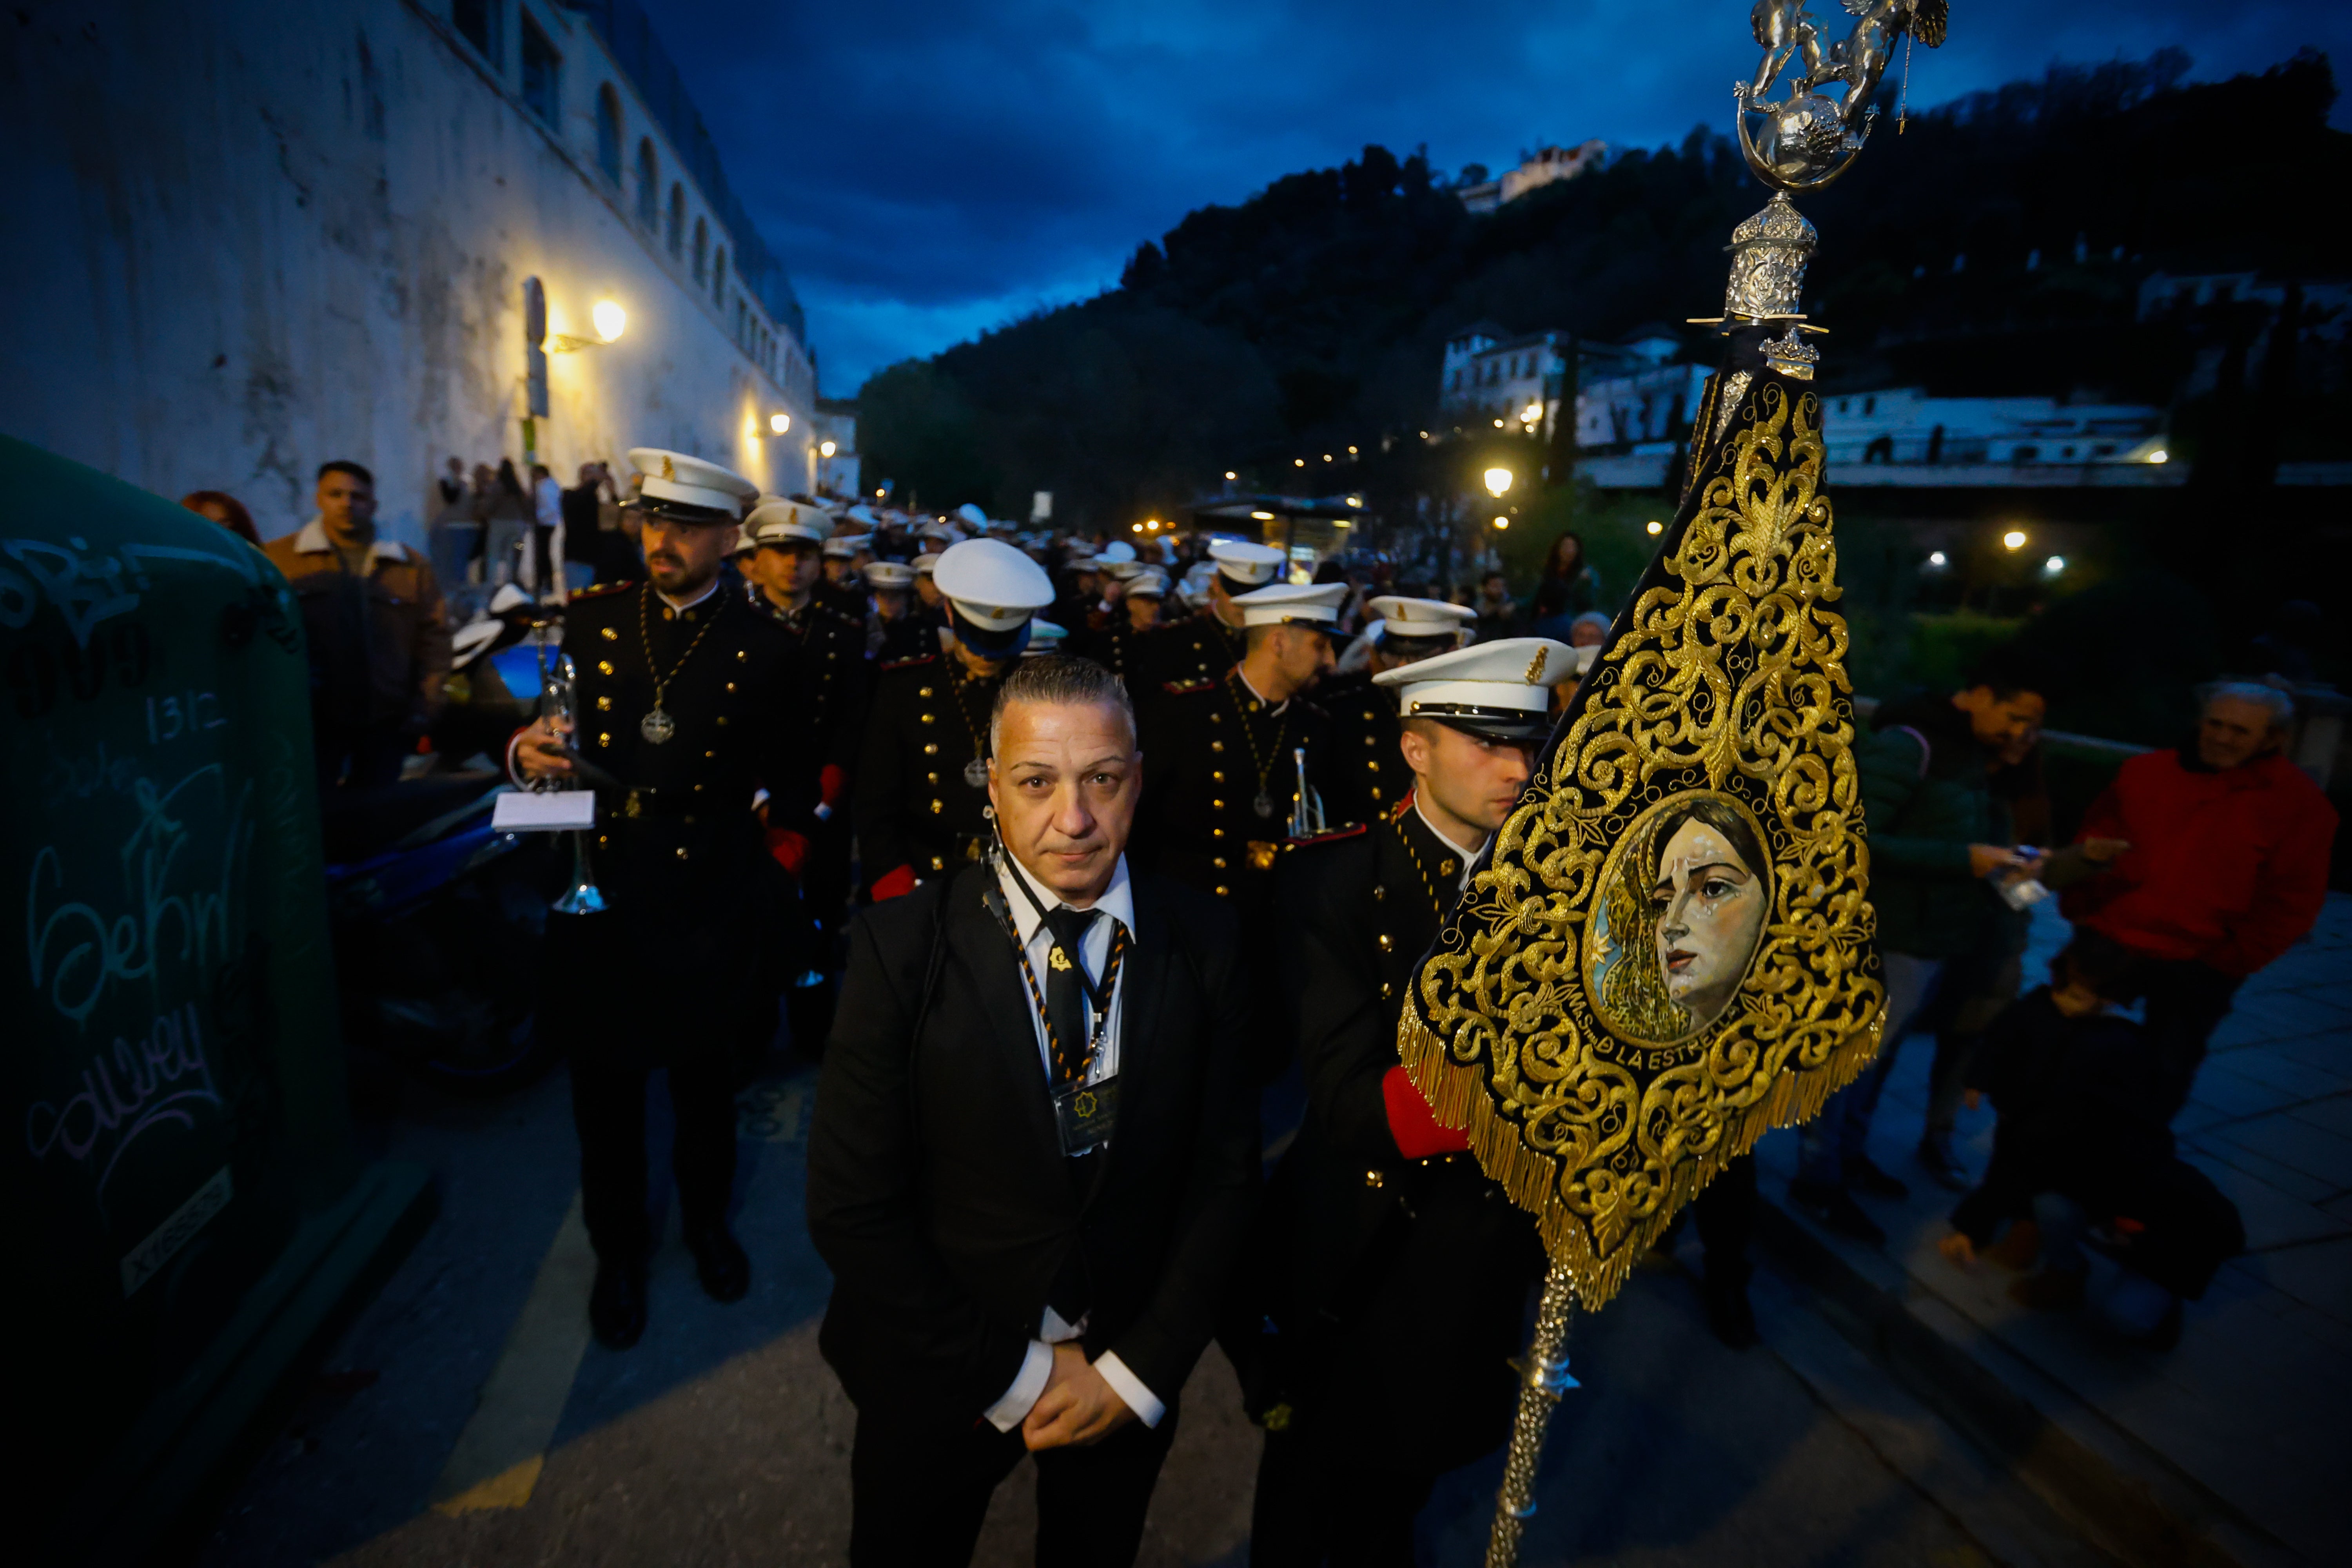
[(1055, 920)]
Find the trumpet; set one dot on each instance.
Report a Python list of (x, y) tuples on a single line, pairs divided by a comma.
[(1306, 806), (559, 699)]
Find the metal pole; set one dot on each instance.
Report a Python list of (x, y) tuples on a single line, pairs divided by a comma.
[(1543, 1378)]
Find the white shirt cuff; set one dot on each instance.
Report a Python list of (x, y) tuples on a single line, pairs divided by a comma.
[(1037, 1368), (1129, 1387)]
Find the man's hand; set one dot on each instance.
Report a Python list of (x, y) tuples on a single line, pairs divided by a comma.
[(543, 749), (1078, 1408), (1984, 859), (2101, 851), (1957, 1249)]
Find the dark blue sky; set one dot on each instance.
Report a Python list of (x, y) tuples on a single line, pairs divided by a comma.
[(932, 168)]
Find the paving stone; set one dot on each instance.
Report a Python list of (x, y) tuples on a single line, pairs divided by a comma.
[(2318, 1275), (2332, 1114), (2296, 1144), (2297, 1184), (2273, 1218), (2271, 1066)]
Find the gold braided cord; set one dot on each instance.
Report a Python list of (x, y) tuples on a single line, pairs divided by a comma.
[(1601, 1103)]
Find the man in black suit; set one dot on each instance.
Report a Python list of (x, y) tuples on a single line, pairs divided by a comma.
[(1034, 1156), (1396, 1273)]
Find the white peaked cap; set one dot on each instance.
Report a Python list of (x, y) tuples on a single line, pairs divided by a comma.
[(689, 481), (1285, 603), (1117, 550), (991, 584), (864, 514), (972, 515), (1045, 636), (1245, 562), (509, 598), (889, 574), (843, 545), (1148, 583), (776, 521), (1403, 618), (924, 562), (1503, 688)]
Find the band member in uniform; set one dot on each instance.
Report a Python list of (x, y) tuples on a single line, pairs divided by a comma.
[(929, 606), (830, 680), (1203, 645), (1222, 751), (1366, 778), (1400, 1271), (894, 631), (685, 711), (843, 586), (1033, 1154), (922, 778)]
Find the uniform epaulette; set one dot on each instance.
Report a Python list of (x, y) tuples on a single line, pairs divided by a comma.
[(601, 590), (1185, 688), (1329, 836), (910, 663), (1396, 812)]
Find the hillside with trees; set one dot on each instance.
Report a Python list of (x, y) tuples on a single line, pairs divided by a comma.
[(1996, 244)]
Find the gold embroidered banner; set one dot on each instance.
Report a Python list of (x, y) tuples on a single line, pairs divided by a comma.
[(1670, 951)]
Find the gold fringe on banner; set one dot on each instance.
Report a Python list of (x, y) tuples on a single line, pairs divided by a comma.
[(1601, 1085)]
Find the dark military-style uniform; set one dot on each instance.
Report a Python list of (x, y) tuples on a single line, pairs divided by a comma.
[(918, 813), (1368, 1251), (680, 860), (1210, 750), (1367, 774), (830, 680), (1198, 648)]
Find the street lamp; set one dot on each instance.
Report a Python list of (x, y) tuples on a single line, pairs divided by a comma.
[(2056, 564), (1498, 481), (1531, 415), (826, 448), (780, 423), (1656, 527), (610, 321), (1502, 522), (2013, 540)]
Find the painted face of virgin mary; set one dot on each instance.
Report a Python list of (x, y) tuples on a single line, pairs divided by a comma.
[(1709, 903)]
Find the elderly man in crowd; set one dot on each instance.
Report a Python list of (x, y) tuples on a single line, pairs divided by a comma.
[(2223, 867)]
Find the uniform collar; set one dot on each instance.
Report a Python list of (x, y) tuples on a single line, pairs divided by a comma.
[(1117, 899), (314, 541), (712, 587), (1469, 856), (1254, 691)]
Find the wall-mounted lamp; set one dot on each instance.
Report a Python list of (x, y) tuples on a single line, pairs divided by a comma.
[(610, 320), (780, 423)]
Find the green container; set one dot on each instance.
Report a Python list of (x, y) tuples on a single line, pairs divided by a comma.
[(187, 1212)]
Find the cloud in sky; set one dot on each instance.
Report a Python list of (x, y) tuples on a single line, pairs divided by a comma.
[(929, 169)]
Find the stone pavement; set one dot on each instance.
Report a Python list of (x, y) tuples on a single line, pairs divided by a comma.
[(2224, 1445)]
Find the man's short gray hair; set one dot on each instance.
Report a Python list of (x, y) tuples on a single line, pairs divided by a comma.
[(2278, 704), (1060, 679)]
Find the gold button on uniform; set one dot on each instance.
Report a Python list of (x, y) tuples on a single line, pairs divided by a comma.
[(1385, 989), (1374, 1179), (1388, 943), (604, 704), (931, 778), (612, 636), (938, 806), (1216, 806), (742, 654), (604, 667), (1216, 745), (1378, 892), (1222, 893), (925, 718), (603, 739), (930, 747), (1216, 833), (1372, 765), (681, 851), (1216, 776), (730, 685), (924, 691), (1219, 862), (722, 721)]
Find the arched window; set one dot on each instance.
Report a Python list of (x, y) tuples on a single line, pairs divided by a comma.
[(701, 251), (648, 187), (719, 277), (608, 132), (676, 221)]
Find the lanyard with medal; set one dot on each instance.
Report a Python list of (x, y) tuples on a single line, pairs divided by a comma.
[(1084, 1113)]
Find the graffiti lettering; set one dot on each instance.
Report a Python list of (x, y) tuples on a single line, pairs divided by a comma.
[(136, 1087)]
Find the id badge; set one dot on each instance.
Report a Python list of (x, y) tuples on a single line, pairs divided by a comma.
[(1086, 1113)]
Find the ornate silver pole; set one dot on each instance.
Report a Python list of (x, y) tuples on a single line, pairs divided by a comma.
[(1543, 1378)]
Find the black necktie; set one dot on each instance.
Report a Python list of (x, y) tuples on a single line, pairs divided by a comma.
[(1065, 991)]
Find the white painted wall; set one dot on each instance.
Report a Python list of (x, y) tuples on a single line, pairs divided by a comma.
[(248, 237)]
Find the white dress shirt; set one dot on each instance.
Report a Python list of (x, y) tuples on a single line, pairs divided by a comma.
[(1117, 901)]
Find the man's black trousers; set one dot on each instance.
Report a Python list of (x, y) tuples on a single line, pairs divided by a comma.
[(919, 1499)]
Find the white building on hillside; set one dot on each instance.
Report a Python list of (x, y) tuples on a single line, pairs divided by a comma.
[(1501, 380), (254, 236), (1482, 195)]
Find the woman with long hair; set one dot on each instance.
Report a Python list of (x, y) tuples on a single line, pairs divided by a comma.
[(222, 508), (1565, 562)]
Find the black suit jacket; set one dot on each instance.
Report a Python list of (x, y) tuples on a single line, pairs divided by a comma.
[(938, 1191)]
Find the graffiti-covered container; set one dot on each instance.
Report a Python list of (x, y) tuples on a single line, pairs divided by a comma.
[(174, 1082)]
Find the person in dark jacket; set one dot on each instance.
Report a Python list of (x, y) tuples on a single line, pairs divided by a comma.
[(1939, 835), (2082, 1148), (1033, 1159)]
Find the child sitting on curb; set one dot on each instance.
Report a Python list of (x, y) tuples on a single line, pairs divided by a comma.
[(2082, 1153)]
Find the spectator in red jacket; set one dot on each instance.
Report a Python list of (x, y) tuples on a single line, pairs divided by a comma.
[(2224, 867)]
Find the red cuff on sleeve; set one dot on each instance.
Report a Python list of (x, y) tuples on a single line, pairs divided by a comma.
[(1410, 1122), (789, 850), (830, 783), (894, 883)]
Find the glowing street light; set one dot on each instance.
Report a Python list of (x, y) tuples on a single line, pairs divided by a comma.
[(2159, 456), (1298, 462), (1531, 415), (780, 423), (1499, 480), (1261, 517), (1231, 475), (1355, 500), (1502, 522), (1655, 528), (2013, 540), (1936, 558), (610, 319), (826, 448), (1136, 526), (2056, 564)]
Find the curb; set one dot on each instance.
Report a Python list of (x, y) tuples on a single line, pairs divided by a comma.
[(2127, 1501)]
